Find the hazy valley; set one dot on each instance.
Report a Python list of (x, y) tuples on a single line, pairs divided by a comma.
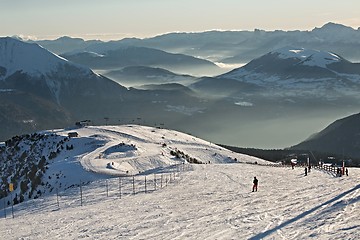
[(282, 96)]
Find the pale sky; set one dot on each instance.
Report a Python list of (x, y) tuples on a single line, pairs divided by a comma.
[(116, 19)]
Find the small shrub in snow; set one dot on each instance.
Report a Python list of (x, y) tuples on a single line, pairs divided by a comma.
[(52, 155)]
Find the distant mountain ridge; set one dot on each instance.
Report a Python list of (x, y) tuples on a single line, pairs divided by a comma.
[(28, 66), (40, 90), (268, 100), (240, 46), (139, 75), (301, 71), (143, 56), (341, 137), (66, 44)]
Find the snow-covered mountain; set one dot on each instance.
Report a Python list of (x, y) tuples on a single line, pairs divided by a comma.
[(42, 162), (308, 57), (31, 68), (17, 56), (41, 90), (299, 71), (63, 93)]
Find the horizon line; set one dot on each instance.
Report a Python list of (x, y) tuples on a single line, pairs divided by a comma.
[(107, 37)]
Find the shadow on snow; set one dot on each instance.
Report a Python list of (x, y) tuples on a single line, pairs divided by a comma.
[(304, 214)]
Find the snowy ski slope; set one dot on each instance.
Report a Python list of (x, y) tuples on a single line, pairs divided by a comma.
[(210, 201)]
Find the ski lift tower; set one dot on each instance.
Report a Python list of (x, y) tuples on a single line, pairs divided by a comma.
[(343, 163)]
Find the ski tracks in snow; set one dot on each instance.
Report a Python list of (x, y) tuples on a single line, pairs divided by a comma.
[(213, 201)]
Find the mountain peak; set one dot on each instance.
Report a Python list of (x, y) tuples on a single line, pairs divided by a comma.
[(333, 27), (307, 57), (68, 38), (16, 55), (290, 64)]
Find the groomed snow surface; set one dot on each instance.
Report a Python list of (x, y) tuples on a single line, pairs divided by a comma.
[(206, 201)]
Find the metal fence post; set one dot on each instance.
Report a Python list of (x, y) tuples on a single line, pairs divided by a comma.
[(12, 205), (120, 187), (154, 182), (107, 188), (145, 185), (161, 185), (133, 185), (57, 197), (81, 200), (4, 208)]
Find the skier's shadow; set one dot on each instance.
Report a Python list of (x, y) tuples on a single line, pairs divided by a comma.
[(270, 231)]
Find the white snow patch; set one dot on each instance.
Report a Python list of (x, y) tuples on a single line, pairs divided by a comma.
[(244, 104), (6, 90), (229, 66), (184, 110), (28, 121), (308, 57), (94, 54)]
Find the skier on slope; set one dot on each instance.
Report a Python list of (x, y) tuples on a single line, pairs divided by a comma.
[(255, 182)]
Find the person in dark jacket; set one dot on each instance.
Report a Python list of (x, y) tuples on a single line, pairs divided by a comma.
[(255, 182), (305, 171)]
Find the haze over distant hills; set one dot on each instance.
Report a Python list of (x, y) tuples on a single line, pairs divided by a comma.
[(41, 90), (140, 75), (143, 56), (231, 46), (66, 44), (294, 87), (276, 100)]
